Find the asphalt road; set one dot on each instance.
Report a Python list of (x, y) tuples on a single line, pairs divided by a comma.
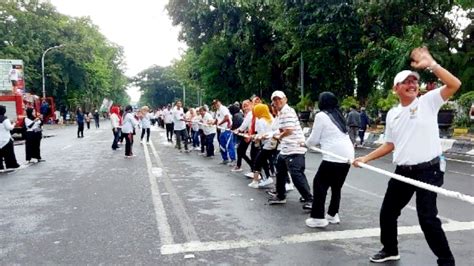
[(88, 204)]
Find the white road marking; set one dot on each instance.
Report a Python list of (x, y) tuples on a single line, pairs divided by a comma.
[(178, 207), (164, 229), (459, 161), (381, 197), (460, 173), (301, 238), (66, 147)]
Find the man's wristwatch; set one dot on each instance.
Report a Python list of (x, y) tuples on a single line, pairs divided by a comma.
[(433, 67)]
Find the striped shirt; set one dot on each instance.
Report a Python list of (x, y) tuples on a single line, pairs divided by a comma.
[(291, 144)]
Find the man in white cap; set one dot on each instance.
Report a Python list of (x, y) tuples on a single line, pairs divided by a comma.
[(412, 133), (292, 155)]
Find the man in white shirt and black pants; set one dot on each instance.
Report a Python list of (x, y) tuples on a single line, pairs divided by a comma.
[(412, 133), (168, 121), (179, 125)]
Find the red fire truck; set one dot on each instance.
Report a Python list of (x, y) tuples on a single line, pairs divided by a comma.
[(14, 98)]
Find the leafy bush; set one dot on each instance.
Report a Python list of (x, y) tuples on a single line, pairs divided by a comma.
[(384, 104), (304, 103), (348, 102)]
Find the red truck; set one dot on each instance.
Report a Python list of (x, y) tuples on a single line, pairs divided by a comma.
[(14, 98)]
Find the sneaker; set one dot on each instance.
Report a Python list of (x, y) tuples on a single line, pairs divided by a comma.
[(249, 174), (266, 182), (333, 219), (276, 200), (254, 184), (236, 169), (231, 163), (303, 200), (307, 206), (319, 223), (141, 141), (383, 256), (224, 162), (197, 149), (187, 151), (289, 187), (272, 193)]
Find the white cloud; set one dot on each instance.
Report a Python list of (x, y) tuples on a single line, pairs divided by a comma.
[(141, 27)]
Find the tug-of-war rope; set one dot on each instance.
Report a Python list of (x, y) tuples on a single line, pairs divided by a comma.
[(416, 183)]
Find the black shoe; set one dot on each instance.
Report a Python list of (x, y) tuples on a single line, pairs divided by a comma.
[(308, 206), (303, 200), (276, 200), (383, 256), (272, 193)]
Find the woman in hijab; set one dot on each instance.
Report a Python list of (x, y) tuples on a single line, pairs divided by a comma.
[(329, 131), (7, 152), (33, 136)]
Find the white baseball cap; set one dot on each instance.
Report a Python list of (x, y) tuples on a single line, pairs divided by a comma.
[(278, 94), (402, 75)]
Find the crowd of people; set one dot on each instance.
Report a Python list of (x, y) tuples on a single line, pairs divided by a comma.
[(278, 147)]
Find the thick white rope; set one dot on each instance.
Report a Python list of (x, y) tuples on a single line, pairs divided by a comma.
[(416, 183)]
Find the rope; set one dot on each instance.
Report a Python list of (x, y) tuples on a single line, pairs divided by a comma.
[(416, 183)]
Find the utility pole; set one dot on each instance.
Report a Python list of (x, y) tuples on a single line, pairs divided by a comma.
[(42, 66)]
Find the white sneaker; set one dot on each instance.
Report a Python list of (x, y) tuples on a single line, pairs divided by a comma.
[(333, 219), (249, 174), (266, 182), (236, 169), (254, 184), (141, 141), (197, 149), (320, 223), (289, 187)]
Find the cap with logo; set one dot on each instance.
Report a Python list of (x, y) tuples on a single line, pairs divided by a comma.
[(402, 75)]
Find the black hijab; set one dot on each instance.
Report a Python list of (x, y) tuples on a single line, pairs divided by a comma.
[(3, 110), (29, 113), (328, 104)]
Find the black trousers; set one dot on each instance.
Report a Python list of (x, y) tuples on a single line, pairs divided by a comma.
[(32, 145), (242, 153), (128, 144), (202, 138), (147, 130), (210, 144), (181, 135), (330, 175), (169, 131), (262, 161), (7, 155), (295, 164), (117, 134), (397, 197), (80, 129)]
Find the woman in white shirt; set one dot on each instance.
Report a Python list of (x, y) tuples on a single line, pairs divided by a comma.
[(145, 123), (129, 123), (33, 136), (7, 151), (329, 131)]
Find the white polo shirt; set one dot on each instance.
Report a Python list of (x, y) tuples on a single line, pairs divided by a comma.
[(413, 129), (177, 116), (220, 115), (208, 129), (168, 116)]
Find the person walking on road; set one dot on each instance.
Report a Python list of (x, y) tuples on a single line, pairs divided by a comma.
[(88, 117), (145, 123), (168, 120), (353, 123), (96, 118), (209, 130), (129, 124), (179, 125), (116, 123), (412, 134), (80, 122), (329, 131), (292, 154), (364, 123), (7, 151), (33, 136)]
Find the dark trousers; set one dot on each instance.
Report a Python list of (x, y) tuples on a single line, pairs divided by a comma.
[(117, 134), (88, 125), (210, 144), (242, 153), (80, 129), (397, 197), (128, 144), (147, 130), (7, 154), (96, 123), (262, 161), (169, 131), (361, 136), (202, 137), (181, 135), (32, 145), (330, 175), (295, 164)]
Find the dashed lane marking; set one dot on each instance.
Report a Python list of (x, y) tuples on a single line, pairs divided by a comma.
[(301, 238)]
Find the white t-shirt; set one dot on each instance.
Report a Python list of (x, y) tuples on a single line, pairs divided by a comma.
[(195, 122), (291, 144), (246, 123), (129, 123), (207, 118), (5, 135), (177, 116), (114, 120), (220, 115), (145, 122), (413, 129), (14, 75), (264, 129), (168, 116), (328, 135)]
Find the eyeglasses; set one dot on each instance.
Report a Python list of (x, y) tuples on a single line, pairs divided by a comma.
[(410, 81)]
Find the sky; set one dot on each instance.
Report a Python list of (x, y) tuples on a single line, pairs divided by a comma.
[(141, 27)]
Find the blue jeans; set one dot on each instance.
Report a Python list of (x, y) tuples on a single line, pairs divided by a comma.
[(226, 145), (116, 133), (195, 136)]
